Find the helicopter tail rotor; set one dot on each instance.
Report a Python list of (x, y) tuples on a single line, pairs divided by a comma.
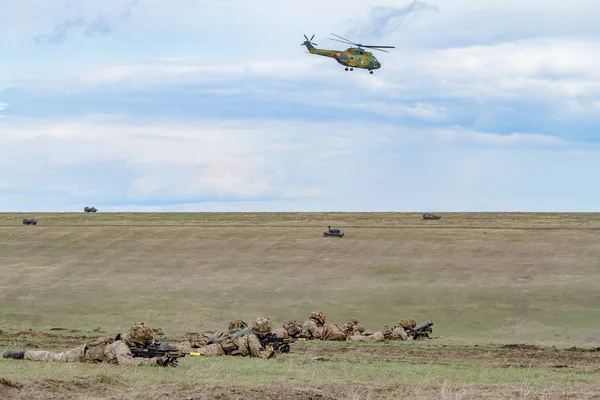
[(309, 40)]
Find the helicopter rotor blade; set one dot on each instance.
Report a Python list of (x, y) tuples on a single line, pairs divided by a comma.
[(347, 41), (313, 36), (340, 41), (378, 47)]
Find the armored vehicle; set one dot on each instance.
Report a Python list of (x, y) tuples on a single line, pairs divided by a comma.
[(333, 232), (29, 221), (90, 209), (431, 216)]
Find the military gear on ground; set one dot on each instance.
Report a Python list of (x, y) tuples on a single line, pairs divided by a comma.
[(197, 340), (214, 337), (293, 328)]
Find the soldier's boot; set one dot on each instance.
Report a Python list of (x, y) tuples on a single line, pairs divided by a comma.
[(16, 354)]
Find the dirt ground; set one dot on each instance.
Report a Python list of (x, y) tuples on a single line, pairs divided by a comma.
[(508, 355), (431, 352)]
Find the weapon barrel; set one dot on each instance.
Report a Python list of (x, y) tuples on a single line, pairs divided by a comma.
[(422, 326), (241, 332)]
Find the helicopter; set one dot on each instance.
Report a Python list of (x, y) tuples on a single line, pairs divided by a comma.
[(352, 57)]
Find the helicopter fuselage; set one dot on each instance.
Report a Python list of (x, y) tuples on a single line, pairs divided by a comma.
[(352, 57)]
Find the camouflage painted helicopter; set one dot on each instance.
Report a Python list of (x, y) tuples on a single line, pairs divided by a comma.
[(352, 57)]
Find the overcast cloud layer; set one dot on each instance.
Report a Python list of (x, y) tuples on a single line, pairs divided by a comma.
[(214, 106)]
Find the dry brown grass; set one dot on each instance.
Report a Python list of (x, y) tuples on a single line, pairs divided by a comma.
[(496, 277), (318, 219)]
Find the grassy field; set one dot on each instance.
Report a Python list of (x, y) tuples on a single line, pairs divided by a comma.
[(486, 280)]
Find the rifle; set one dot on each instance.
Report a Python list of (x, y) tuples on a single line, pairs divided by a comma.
[(277, 343), (421, 331), (156, 349)]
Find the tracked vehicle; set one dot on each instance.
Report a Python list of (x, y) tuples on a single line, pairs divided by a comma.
[(333, 232)]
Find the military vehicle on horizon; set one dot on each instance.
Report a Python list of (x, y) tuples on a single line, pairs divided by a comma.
[(28, 221), (333, 232), (430, 216), (90, 209)]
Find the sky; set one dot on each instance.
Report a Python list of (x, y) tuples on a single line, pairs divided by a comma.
[(199, 105)]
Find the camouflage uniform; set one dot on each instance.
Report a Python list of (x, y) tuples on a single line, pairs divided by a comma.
[(396, 333), (314, 327), (246, 345), (352, 328), (407, 323), (378, 336), (400, 332), (250, 344), (196, 340), (291, 329), (103, 349), (333, 332), (202, 342)]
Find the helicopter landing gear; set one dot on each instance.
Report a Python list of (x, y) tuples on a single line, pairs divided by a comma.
[(351, 69), (370, 72)]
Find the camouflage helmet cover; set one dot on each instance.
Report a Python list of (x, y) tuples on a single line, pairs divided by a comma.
[(141, 333), (262, 326), (407, 323), (236, 325), (318, 316)]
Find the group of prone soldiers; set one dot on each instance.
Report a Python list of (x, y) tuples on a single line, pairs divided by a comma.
[(118, 349)]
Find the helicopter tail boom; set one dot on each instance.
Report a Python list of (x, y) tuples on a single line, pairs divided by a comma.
[(320, 52)]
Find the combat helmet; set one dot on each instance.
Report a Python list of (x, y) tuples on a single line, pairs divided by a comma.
[(237, 325), (318, 316), (140, 333), (407, 323), (262, 326)]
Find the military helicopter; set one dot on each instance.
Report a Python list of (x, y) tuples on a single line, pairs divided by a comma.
[(352, 57)]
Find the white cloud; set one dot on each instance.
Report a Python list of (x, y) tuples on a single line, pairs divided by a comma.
[(517, 54), (313, 166), (562, 72)]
